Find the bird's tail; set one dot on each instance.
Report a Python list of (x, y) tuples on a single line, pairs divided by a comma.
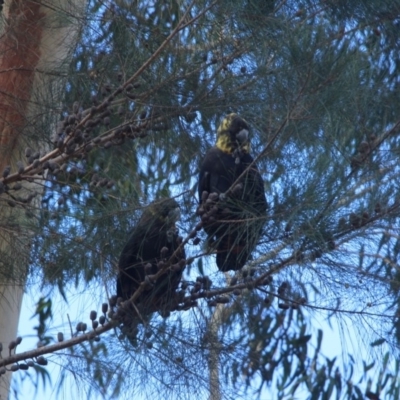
[(231, 257), (130, 323)]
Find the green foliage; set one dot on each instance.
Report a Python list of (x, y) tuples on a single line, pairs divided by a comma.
[(44, 315), (318, 83)]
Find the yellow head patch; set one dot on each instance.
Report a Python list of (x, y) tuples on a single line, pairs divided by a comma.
[(226, 123), (230, 134)]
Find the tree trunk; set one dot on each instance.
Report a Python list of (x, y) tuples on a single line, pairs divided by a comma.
[(36, 43), (213, 325)]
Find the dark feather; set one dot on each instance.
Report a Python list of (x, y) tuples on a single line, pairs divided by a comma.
[(153, 240)]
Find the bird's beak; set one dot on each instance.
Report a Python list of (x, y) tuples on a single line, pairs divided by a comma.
[(174, 215), (243, 136)]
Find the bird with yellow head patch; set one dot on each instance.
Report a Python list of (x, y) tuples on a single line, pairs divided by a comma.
[(232, 199)]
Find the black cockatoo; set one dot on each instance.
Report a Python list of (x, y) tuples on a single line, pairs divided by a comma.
[(153, 244), (233, 217)]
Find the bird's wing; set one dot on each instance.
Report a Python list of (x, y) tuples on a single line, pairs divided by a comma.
[(217, 172)]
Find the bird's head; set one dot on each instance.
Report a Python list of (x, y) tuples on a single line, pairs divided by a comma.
[(233, 134), (166, 211)]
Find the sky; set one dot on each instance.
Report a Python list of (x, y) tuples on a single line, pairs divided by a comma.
[(336, 339)]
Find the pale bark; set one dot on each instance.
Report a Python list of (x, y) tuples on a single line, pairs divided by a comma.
[(36, 43), (214, 323), (214, 350)]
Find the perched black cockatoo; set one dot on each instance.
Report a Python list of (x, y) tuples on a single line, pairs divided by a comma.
[(151, 246), (233, 217)]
